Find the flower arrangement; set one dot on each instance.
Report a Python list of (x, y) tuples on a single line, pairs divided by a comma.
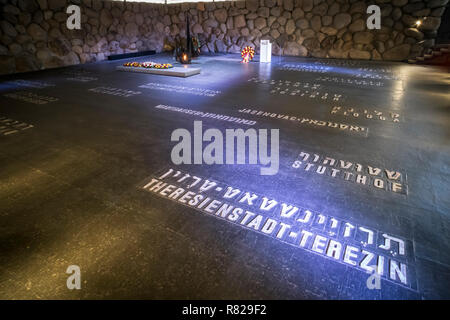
[(247, 54), (149, 64)]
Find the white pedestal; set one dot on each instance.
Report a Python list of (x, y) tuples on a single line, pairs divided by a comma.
[(266, 51)]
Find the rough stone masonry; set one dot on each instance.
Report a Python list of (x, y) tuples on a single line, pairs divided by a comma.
[(34, 35)]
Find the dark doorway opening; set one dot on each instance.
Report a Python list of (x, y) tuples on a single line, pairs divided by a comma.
[(443, 35)]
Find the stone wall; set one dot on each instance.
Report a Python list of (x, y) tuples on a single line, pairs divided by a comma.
[(34, 34)]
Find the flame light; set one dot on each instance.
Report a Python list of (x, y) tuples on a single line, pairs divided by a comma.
[(185, 58)]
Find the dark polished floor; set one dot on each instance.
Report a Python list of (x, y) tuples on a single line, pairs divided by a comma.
[(77, 144)]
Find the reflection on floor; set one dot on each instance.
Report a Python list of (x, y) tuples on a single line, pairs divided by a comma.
[(363, 182)]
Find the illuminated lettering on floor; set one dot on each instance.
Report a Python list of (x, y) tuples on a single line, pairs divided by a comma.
[(31, 97), (379, 178), (323, 124), (365, 114), (337, 240)]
